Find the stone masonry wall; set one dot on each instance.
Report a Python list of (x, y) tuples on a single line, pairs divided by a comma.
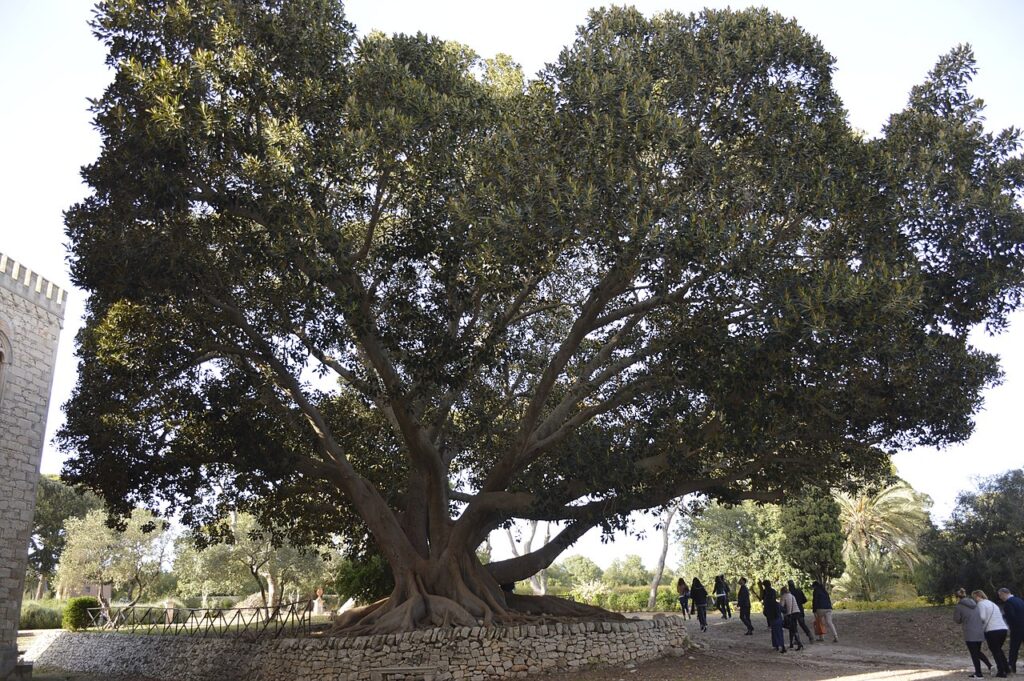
[(458, 654), (31, 315)]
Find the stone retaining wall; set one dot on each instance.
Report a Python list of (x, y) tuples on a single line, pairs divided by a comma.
[(466, 653)]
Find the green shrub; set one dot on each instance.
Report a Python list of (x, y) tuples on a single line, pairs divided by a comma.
[(76, 615), (861, 606), (41, 614), (628, 598)]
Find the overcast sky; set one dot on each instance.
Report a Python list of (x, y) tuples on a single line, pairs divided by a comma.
[(50, 64)]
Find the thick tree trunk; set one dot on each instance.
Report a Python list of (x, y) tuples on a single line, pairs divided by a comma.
[(273, 589), (454, 590)]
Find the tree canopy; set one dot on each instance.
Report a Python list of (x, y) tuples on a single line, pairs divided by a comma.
[(55, 504), (813, 535), (129, 559), (745, 540), (982, 544), (384, 288)]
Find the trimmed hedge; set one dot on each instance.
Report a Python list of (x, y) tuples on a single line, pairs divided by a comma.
[(41, 614), (76, 616)]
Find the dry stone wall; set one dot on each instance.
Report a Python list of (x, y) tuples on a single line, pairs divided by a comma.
[(31, 316), (459, 654)]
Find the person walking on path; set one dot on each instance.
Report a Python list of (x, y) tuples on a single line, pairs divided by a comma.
[(743, 603), (789, 610), (699, 596), (684, 597), (772, 611), (798, 594), (722, 597), (995, 630), (821, 606), (967, 615), (1013, 613)]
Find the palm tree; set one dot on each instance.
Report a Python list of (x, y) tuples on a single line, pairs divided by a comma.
[(888, 522)]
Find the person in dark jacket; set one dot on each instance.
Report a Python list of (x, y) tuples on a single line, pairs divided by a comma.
[(772, 611), (967, 616), (821, 606), (1013, 613), (743, 603), (798, 594), (699, 598), (722, 597), (760, 597)]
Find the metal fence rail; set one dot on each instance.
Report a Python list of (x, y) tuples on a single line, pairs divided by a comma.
[(292, 618)]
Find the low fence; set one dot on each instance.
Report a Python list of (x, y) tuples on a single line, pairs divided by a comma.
[(294, 619)]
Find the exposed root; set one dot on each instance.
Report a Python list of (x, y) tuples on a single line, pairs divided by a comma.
[(429, 610), (350, 617)]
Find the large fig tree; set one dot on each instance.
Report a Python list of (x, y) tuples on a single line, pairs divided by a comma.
[(379, 287)]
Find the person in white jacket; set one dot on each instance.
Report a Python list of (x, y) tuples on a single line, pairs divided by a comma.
[(995, 630)]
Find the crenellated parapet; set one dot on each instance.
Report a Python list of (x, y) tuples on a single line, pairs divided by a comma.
[(32, 286)]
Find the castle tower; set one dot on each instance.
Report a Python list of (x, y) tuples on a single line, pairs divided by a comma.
[(31, 317)]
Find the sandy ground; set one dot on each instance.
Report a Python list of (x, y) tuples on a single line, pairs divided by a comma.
[(901, 645)]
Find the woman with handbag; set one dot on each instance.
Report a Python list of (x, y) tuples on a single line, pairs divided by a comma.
[(789, 611)]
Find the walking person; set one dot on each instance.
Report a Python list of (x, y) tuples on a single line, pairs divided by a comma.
[(760, 597), (699, 596), (773, 613), (1013, 613), (798, 594), (684, 597), (966, 614), (821, 606), (722, 597), (995, 630), (789, 610), (743, 603)]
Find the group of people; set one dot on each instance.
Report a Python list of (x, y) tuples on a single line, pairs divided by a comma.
[(783, 609), (982, 621)]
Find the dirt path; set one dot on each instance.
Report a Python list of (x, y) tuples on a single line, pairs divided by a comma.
[(909, 645)]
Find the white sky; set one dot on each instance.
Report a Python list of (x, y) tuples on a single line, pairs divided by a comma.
[(50, 64)]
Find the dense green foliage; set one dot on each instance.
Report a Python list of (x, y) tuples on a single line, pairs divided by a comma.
[(814, 536), (76, 612), (363, 579), (128, 558), (55, 503), (745, 540), (883, 529), (628, 570), (982, 545), (665, 266), (250, 558)]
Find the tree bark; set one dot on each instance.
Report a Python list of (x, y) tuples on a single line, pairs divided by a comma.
[(453, 588), (41, 587), (670, 513)]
